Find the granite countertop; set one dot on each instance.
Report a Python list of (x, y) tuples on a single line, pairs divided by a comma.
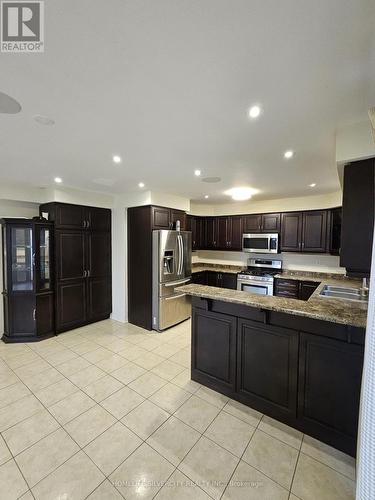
[(339, 311), (218, 268)]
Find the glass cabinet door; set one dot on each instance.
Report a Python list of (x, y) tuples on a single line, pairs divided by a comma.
[(44, 258), (22, 263)]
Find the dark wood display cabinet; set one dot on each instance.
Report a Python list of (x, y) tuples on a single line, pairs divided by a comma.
[(28, 279), (82, 263)]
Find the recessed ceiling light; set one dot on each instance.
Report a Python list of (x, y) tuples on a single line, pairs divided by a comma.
[(254, 111), (288, 154), (241, 193), (116, 159), (141, 185), (58, 180), (44, 120), (211, 180), (197, 173), (312, 185), (206, 196)]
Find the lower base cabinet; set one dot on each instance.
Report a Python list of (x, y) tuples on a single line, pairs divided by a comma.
[(267, 361), (213, 278), (310, 381), (214, 349)]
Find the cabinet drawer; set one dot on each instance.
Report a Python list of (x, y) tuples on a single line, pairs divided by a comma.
[(286, 284), (285, 292)]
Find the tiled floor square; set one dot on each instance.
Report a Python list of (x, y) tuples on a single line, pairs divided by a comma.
[(11, 481), (145, 419), (197, 413), (122, 402), (147, 384), (170, 397), (103, 388), (71, 406), (89, 425)]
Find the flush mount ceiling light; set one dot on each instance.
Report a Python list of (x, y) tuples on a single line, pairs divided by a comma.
[(289, 154), (58, 180), (241, 193), (9, 105), (312, 185), (206, 196), (116, 159), (197, 173), (44, 120), (254, 111), (141, 185)]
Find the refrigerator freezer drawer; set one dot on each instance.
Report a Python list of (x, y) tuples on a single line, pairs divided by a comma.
[(171, 288), (173, 310)]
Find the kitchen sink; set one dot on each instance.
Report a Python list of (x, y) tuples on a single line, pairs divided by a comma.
[(341, 292)]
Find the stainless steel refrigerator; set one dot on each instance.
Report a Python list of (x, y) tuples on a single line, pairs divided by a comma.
[(171, 268)]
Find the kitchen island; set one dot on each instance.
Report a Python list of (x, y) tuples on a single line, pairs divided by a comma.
[(299, 362)]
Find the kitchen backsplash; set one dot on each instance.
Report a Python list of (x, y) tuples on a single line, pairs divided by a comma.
[(300, 262)]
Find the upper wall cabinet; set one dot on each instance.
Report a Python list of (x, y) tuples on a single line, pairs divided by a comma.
[(358, 217), (66, 216), (165, 218), (304, 231), (261, 223)]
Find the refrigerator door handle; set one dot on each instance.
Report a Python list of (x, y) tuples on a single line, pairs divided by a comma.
[(177, 282), (175, 297), (180, 256)]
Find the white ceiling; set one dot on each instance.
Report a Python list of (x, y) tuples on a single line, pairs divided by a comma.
[(166, 84)]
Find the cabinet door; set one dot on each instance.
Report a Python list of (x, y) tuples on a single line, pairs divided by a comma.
[(314, 237), (267, 361), (306, 289), (223, 225), (22, 315), (252, 223), (178, 215), (45, 314), (200, 233), (335, 231), (71, 303), (229, 280), (99, 298), (213, 278), (330, 373), (69, 216), (214, 349), (211, 232), (98, 254), (235, 238), (199, 278), (160, 218), (98, 219), (286, 288), (70, 255), (291, 232), (271, 223)]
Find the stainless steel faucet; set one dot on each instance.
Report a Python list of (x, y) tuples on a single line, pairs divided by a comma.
[(364, 290)]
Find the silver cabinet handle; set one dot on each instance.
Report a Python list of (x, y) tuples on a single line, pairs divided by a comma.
[(87, 223), (84, 274), (34, 314), (176, 297), (84, 223), (88, 273)]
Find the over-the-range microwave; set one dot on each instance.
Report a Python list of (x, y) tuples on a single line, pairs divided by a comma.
[(260, 243)]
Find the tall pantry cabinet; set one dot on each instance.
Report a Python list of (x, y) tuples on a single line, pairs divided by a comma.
[(83, 280)]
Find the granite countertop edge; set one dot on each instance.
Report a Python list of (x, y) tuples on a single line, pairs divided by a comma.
[(317, 307)]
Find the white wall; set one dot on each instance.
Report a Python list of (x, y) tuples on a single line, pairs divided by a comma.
[(302, 262), (13, 209), (282, 205), (354, 142)]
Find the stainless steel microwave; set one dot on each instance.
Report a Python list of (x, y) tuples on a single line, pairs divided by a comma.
[(260, 243)]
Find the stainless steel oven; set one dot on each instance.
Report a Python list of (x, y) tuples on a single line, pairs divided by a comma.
[(252, 284), (260, 243)]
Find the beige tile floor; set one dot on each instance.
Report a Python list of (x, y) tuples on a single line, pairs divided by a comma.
[(108, 411)]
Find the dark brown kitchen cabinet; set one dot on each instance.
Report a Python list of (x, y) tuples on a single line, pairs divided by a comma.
[(28, 279), (214, 333), (165, 218), (304, 231), (221, 280), (335, 224), (236, 233), (224, 232), (261, 223), (330, 374), (358, 217), (291, 232), (82, 264), (211, 231), (160, 218), (267, 360), (178, 215), (314, 231), (306, 289), (252, 223), (199, 278), (195, 225)]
